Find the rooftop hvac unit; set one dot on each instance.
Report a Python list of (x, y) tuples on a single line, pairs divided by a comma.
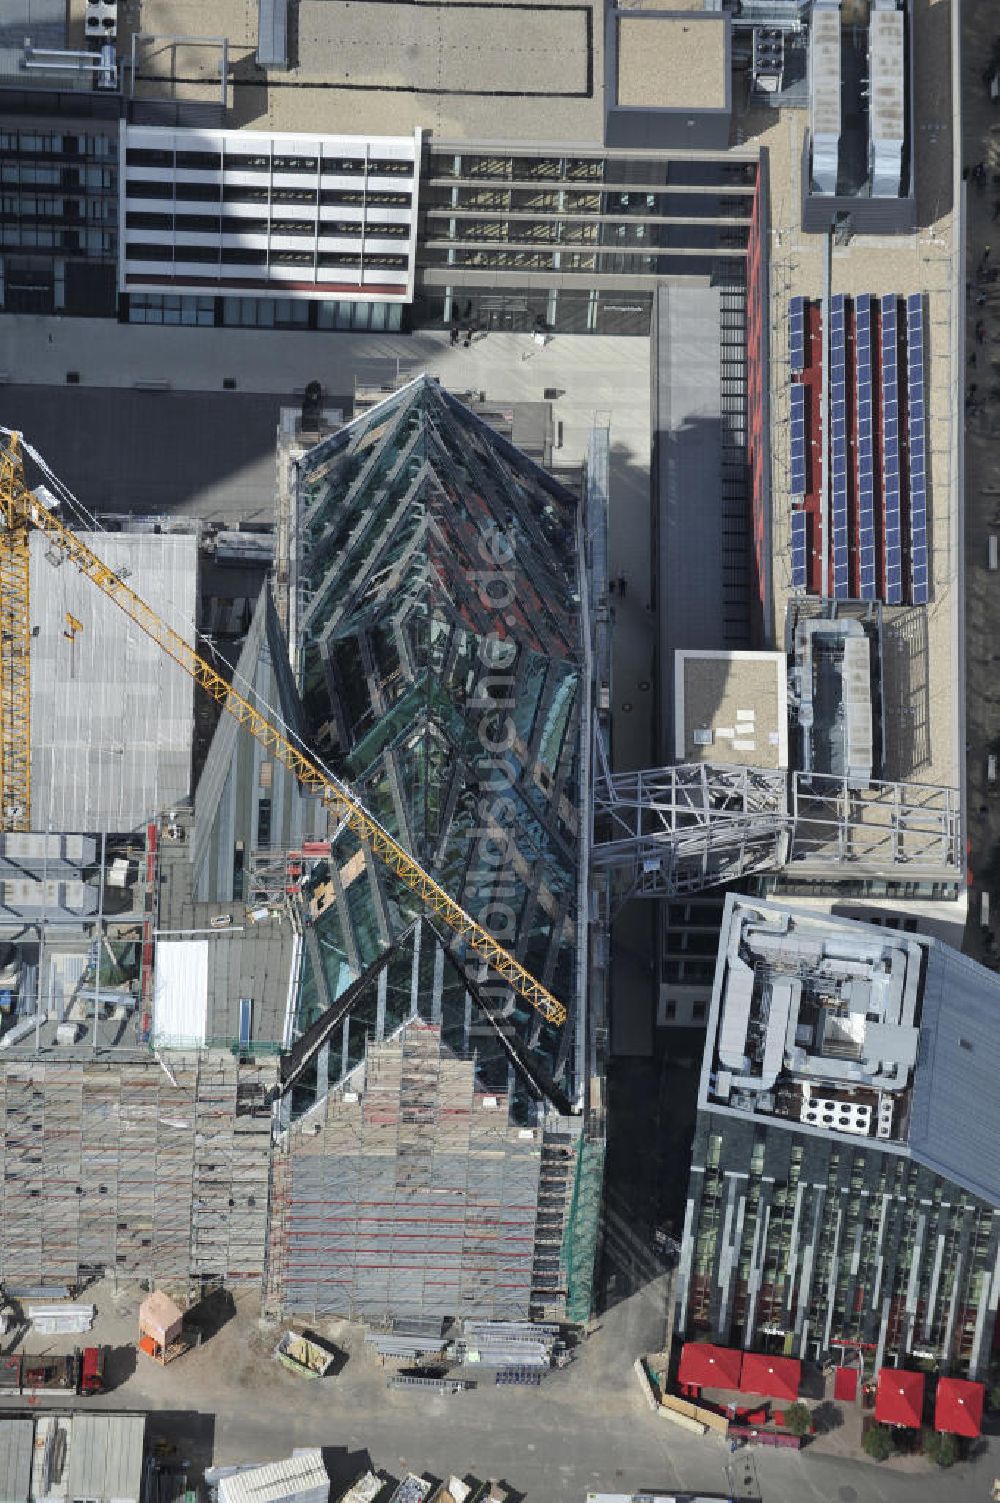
[(824, 86), (886, 51), (101, 20)]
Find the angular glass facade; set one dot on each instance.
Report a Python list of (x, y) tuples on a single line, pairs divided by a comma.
[(442, 671)]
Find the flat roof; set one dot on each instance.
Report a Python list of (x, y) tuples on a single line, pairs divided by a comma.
[(668, 61), (731, 707), (105, 1456), (17, 1439), (112, 716), (364, 67), (927, 262), (814, 1022)]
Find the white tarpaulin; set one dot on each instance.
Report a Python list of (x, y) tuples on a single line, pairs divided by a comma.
[(180, 992)]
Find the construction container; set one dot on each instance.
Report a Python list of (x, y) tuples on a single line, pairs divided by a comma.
[(161, 1328), (305, 1356), (301, 1478)]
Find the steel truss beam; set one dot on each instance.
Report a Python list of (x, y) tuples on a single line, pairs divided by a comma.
[(682, 829)]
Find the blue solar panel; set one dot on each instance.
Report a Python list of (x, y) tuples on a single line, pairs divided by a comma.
[(798, 440), (797, 334), (891, 520), (838, 434), (800, 559), (865, 446), (916, 449)]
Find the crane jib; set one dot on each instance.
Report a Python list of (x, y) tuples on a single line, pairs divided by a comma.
[(23, 509)]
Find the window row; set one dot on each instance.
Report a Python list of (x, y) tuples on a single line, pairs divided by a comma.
[(41, 237), (69, 210), (81, 144), (214, 161), (236, 193), (39, 174), (212, 225), (228, 256)]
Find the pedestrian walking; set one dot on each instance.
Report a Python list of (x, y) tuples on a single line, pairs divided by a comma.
[(986, 254), (612, 586), (972, 359), (996, 208), (454, 334), (622, 585)]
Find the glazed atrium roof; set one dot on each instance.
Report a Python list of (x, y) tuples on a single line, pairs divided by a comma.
[(441, 659)]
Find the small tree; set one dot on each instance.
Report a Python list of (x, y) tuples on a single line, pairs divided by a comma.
[(930, 1443), (877, 1443), (798, 1419), (947, 1450)]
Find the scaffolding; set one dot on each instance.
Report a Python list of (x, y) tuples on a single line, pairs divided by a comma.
[(410, 1193), (133, 1169), (579, 1250)]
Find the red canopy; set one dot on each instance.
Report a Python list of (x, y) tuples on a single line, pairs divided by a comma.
[(845, 1384), (774, 1377), (899, 1397), (710, 1366), (959, 1407)]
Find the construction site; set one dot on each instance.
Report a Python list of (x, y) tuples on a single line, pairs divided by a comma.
[(247, 1039)]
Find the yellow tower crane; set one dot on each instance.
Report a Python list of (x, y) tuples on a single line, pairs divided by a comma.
[(15, 646), (23, 510)]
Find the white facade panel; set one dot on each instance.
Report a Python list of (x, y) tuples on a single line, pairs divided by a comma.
[(262, 167), (180, 991)]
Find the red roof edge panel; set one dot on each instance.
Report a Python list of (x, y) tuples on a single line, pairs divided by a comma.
[(958, 1407), (710, 1366), (899, 1397), (773, 1377)]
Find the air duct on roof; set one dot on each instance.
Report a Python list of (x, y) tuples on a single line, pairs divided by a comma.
[(272, 34), (887, 112), (824, 89)]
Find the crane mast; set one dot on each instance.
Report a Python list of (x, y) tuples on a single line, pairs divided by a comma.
[(23, 510), (15, 645)]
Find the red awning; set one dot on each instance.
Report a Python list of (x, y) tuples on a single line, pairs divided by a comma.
[(774, 1377), (710, 1366), (899, 1397), (845, 1384), (959, 1407)]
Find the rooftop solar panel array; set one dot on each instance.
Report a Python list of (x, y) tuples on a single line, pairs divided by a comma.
[(916, 448), (797, 335), (800, 563), (838, 434), (798, 440), (892, 540), (866, 456)]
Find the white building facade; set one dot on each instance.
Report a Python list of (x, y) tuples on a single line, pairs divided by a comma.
[(278, 215)]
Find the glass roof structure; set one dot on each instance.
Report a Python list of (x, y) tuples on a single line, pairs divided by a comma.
[(442, 667)]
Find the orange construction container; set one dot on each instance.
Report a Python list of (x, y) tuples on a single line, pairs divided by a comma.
[(149, 1346)]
